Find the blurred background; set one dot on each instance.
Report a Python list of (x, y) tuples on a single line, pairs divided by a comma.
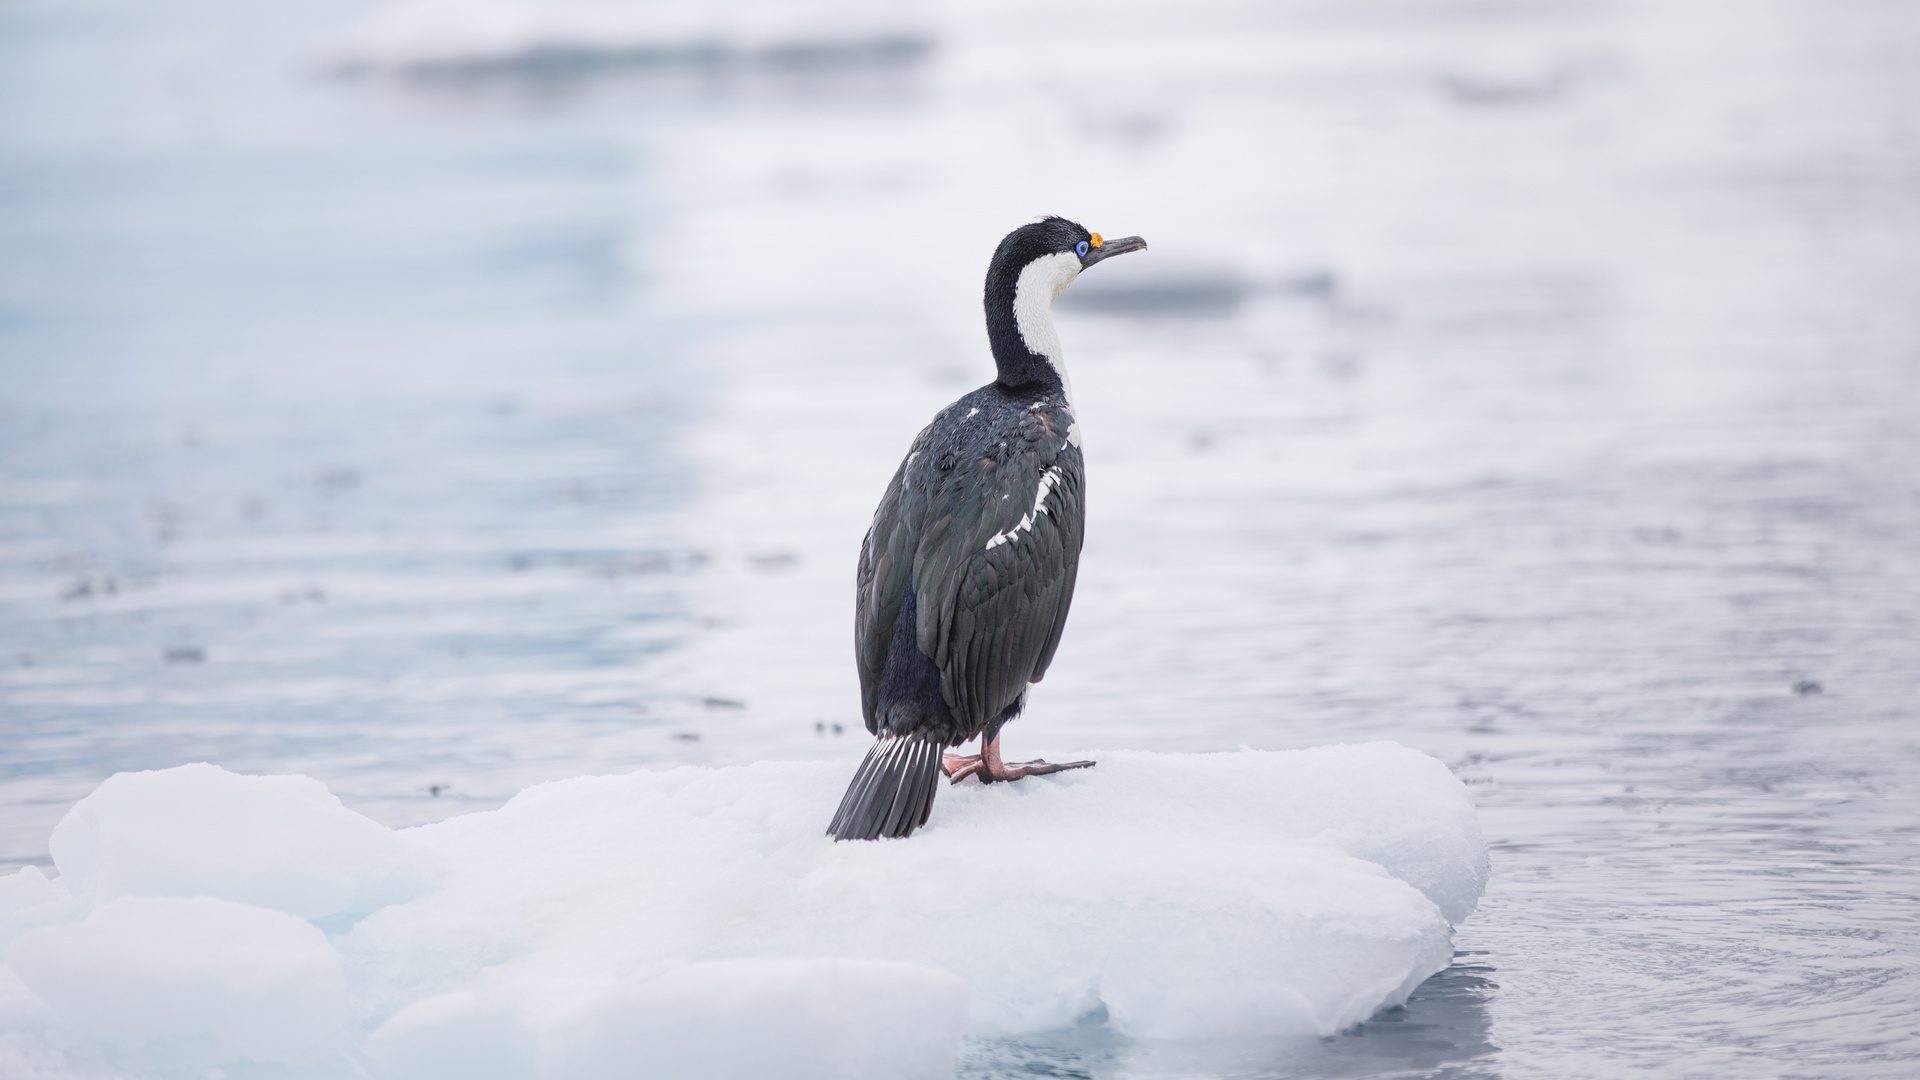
[(439, 398)]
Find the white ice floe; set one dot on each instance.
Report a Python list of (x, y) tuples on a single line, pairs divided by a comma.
[(282, 842), (209, 979), (794, 1019), (698, 920)]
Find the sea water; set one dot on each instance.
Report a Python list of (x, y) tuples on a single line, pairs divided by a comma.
[(1532, 386)]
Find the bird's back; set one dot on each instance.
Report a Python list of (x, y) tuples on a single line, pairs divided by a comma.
[(978, 537)]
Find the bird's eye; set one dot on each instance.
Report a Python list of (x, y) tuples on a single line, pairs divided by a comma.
[(1080, 249)]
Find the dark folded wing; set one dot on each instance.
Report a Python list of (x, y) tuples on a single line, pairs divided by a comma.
[(995, 576), (886, 564)]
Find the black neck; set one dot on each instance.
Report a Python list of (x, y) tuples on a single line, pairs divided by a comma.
[(1019, 366)]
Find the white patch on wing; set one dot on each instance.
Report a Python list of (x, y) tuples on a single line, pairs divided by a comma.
[(1041, 283), (971, 413), (1047, 480)]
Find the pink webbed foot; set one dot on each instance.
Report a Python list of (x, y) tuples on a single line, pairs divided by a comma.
[(1039, 768), (993, 769)]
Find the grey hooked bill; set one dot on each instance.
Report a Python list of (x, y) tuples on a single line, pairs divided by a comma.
[(1112, 248)]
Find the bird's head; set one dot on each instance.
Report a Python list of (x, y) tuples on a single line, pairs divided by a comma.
[(1048, 254), (1029, 271)]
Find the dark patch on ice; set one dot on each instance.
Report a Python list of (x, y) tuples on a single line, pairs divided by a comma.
[(1342, 365), (337, 478), (184, 654), (1807, 687), (560, 63), (722, 703), (1482, 91), (653, 562), (1201, 292), (1161, 297), (88, 588), (774, 561), (1135, 127), (686, 736), (613, 564)]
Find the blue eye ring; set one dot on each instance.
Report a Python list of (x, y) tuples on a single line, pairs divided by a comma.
[(1080, 249)]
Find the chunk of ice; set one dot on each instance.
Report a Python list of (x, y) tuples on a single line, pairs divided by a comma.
[(1190, 895), (698, 920), (27, 888), (282, 842), (29, 899), (218, 980), (797, 1019)]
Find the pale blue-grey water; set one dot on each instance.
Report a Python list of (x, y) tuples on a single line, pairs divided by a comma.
[(1534, 384)]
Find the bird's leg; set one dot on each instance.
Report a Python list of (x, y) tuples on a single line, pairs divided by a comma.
[(991, 768)]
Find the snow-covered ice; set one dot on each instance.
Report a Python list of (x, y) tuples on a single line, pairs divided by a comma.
[(796, 1019), (282, 842), (697, 919), (206, 979)]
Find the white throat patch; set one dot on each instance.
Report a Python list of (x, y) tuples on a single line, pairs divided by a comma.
[(1041, 283)]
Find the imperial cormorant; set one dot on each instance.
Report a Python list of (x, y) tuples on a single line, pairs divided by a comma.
[(967, 572)]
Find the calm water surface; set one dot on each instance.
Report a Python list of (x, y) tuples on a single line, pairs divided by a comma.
[(1532, 384)]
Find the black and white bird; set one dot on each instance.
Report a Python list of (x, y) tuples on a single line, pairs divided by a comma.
[(968, 570)]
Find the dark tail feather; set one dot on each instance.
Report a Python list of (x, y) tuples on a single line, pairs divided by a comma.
[(893, 792)]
